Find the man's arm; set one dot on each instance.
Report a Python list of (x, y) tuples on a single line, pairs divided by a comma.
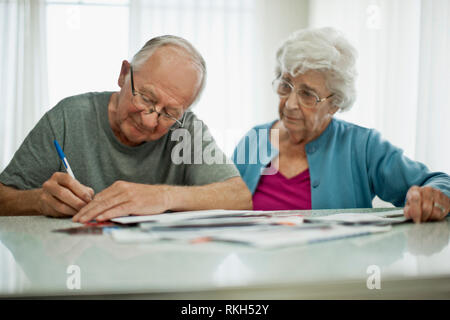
[(231, 194), (124, 198), (14, 202), (60, 196)]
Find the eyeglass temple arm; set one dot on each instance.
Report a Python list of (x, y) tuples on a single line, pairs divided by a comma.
[(323, 99), (132, 81)]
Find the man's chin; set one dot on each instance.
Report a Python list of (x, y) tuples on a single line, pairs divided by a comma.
[(136, 135), (139, 139)]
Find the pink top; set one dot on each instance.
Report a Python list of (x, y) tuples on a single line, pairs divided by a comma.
[(276, 192)]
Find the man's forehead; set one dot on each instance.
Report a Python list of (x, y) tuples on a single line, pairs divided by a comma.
[(172, 69), (170, 57)]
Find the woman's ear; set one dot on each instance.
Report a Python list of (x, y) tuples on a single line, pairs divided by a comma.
[(333, 110), (123, 72)]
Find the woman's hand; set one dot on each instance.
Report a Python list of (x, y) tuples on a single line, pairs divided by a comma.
[(426, 204)]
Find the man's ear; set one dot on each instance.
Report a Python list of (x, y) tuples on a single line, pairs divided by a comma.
[(123, 72)]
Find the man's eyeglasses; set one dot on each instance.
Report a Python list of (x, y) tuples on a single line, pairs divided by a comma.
[(306, 98), (148, 105)]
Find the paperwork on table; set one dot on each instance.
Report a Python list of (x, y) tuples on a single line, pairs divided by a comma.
[(380, 218), (177, 216), (263, 229)]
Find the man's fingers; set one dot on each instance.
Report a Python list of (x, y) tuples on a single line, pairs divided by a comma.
[(115, 212), (105, 200), (122, 209), (91, 193), (57, 208), (91, 212), (63, 194), (81, 191)]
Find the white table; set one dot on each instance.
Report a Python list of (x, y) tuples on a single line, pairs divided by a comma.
[(414, 262)]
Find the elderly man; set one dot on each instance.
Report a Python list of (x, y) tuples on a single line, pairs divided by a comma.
[(120, 147)]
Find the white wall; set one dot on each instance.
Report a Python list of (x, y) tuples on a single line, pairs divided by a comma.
[(276, 20)]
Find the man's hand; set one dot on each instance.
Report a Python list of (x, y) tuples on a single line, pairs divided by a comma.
[(426, 204), (63, 196), (125, 198)]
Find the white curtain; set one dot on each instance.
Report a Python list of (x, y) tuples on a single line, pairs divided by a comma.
[(433, 112), (222, 30), (238, 39), (23, 69), (403, 87)]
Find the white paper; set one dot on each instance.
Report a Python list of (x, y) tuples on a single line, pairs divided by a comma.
[(128, 235), (395, 212), (266, 229), (177, 216), (394, 216), (224, 221), (282, 237), (261, 236)]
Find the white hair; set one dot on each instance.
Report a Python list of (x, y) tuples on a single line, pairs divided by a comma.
[(150, 47), (325, 50)]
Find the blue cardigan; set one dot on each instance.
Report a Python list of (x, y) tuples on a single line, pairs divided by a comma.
[(348, 166)]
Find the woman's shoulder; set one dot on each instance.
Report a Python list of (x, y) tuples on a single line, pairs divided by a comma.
[(266, 125), (345, 125), (345, 128), (359, 136)]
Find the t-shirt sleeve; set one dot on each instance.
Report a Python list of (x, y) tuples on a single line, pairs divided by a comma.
[(208, 163), (391, 173), (36, 159)]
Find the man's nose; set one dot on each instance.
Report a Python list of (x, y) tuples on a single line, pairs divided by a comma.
[(149, 120)]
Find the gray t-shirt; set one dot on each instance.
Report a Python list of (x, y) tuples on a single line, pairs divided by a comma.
[(80, 125)]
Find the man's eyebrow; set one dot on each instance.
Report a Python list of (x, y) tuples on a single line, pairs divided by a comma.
[(149, 92), (153, 96)]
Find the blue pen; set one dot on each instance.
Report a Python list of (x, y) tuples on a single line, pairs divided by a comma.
[(63, 158)]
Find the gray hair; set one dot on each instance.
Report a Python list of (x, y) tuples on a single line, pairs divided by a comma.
[(150, 47), (325, 50)]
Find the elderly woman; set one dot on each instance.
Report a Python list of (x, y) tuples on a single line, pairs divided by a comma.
[(317, 161)]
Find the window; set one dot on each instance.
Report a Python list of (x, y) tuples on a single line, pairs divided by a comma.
[(86, 43)]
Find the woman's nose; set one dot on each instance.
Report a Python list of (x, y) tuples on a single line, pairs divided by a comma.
[(292, 101)]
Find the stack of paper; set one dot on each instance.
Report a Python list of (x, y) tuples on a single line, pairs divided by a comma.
[(359, 219), (263, 229), (184, 215), (282, 237)]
